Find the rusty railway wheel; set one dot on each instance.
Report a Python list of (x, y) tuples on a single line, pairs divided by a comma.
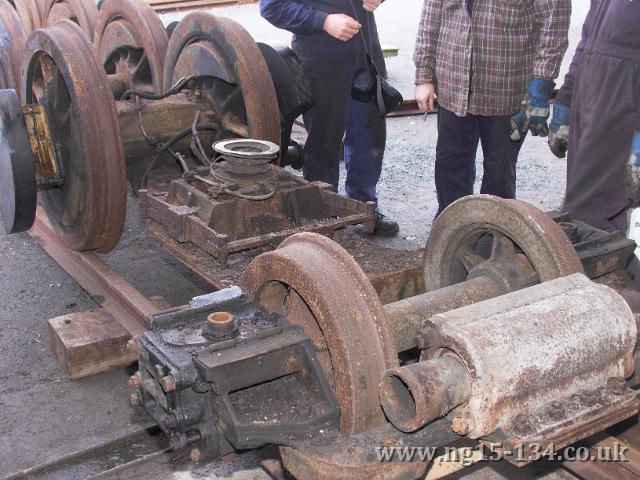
[(131, 42), (29, 13), (477, 230), (232, 75), (12, 39), (88, 210), (81, 12), (317, 285)]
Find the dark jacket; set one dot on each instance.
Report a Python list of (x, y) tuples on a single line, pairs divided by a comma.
[(614, 25), (316, 49)]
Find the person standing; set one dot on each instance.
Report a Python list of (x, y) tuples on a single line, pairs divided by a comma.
[(491, 64), (597, 112), (330, 38)]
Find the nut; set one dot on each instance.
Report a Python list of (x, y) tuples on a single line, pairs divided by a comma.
[(168, 383), (134, 381), (132, 346), (170, 422), (460, 426), (196, 455)]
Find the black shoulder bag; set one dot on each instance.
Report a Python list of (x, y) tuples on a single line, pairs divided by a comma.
[(368, 85)]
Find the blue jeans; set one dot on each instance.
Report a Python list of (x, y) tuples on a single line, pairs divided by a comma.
[(333, 118)]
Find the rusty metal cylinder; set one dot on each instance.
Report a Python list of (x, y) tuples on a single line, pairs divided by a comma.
[(558, 341), (416, 394), (404, 318)]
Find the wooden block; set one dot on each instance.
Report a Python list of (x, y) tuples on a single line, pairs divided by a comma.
[(89, 342)]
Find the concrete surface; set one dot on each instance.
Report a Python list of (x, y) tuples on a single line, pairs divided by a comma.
[(46, 417)]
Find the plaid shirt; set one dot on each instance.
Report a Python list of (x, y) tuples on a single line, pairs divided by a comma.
[(482, 64)]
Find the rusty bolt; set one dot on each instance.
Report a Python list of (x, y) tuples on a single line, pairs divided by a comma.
[(168, 383), (170, 422), (134, 381), (617, 385), (135, 399), (132, 346), (196, 455), (460, 426)]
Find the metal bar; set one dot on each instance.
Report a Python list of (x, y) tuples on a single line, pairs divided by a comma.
[(116, 295)]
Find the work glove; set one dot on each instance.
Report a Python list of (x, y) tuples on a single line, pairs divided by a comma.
[(534, 113), (559, 130), (635, 150)]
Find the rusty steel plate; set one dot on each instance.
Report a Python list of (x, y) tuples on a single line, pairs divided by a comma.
[(12, 39), (18, 192), (61, 73), (81, 12), (478, 228), (232, 75), (131, 42), (318, 285)]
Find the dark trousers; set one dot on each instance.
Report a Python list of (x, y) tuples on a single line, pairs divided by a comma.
[(458, 139), (334, 117)]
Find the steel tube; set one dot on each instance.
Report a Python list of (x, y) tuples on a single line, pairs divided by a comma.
[(414, 395), (404, 318)]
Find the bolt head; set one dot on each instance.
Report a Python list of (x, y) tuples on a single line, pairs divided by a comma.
[(170, 422), (195, 455)]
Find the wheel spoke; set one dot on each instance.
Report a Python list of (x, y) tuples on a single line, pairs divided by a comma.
[(502, 246), (470, 258)]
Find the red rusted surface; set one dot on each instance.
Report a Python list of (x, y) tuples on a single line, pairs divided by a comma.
[(455, 244), (131, 42), (221, 49), (339, 308), (82, 12), (62, 74), (221, 224), (417, 394), (562, 341), (331, 457), (13, 38), (29, 12)]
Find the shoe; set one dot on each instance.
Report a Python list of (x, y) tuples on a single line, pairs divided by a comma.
[(385, 226)]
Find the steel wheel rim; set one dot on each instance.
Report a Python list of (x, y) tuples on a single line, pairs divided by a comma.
[(88, 210), (81, 12), (28, 12), (11, 47), (131, 40), (241, 93), (340, 311), (447, 259)]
